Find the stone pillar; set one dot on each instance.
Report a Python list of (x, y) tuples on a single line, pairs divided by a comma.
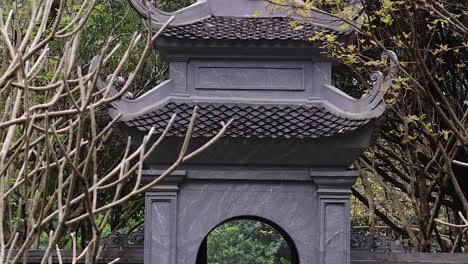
[(178, 74), (334, 193), (161, 218)]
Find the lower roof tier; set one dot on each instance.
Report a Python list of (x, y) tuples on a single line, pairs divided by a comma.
[(249, 120)]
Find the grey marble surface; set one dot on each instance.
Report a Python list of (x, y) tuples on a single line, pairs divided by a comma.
[(310, 208), (203, 206)]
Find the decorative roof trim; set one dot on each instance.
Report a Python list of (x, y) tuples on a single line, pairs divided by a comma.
[(249, 120), (372, 102), (370, 106), (158, 96), (200, 11)]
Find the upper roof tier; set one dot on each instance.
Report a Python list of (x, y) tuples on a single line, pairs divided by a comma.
[(247, 20), (231, 28)]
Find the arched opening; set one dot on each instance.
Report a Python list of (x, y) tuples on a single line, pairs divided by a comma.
[(250, 240)]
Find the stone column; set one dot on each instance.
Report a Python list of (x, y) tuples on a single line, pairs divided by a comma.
[(161, 218), (334, 193)]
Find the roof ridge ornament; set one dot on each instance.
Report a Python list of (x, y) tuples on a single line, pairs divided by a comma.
[(392, 58), (372, 102)]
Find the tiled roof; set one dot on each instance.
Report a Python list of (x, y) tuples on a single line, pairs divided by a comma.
[(250, 121), (230, 28)]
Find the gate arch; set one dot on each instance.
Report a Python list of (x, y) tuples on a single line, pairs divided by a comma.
[(204, 205), (202, 257)]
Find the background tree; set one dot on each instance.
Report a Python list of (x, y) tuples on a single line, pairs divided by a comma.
[(51, 118), (247, 241), (419, 161)]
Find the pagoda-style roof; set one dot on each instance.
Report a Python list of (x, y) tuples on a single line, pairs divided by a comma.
[(331, 114), (268, 91), (240, 28), (249, 120), (247, 20)]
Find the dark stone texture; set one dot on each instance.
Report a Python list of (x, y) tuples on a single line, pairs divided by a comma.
[(204, 205), (375, 243)]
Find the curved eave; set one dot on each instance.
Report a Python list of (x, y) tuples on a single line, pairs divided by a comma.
[(369, 107), (334, 101), (372, 104), (188, 15), (335, 22)]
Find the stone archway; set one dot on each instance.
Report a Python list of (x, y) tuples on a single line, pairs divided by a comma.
[(311, 207), (203, 204), (279, 233)]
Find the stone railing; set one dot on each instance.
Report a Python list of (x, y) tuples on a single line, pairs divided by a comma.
[(357, 257), (128, 248)]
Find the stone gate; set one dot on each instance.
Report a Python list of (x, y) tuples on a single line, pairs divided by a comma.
[(284, 160)]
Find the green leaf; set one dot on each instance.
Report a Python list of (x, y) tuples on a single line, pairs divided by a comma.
[(256, 14), (445, 134)]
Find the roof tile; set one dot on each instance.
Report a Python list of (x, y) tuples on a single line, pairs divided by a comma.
[(257, 121), (230, 28)]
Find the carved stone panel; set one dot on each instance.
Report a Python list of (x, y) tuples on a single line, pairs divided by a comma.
[(178, 73), (334, 237), (262, 79), (160, 219), (280, 78)]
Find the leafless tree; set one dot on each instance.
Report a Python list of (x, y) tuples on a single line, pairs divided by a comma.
[(50, 141)]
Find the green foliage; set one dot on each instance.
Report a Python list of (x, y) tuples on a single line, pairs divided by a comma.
[(409, 156), (247, 241), (172, 5)]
